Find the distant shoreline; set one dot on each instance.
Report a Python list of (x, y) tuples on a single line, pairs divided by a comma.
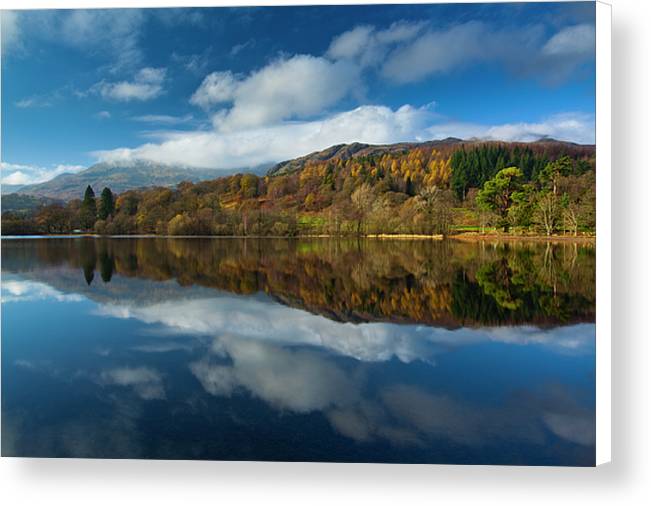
[(466, 237), (586, 239)]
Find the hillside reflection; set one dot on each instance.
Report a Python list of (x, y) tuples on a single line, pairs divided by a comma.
[(443, 283)]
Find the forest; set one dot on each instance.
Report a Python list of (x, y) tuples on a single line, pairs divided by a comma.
[(483, 187)]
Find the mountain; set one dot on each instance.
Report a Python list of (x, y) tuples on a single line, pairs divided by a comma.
[(119, 176), (6, 189), (24, 204), (356, 150)]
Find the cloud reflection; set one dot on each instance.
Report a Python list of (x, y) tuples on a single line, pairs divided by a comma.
[(307, 380), (264, 321), (145, 382), (26, 291)]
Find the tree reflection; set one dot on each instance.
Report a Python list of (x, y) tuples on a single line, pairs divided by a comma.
[(445, 283)]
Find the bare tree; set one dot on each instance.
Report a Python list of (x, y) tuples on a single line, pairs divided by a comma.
[(362, 200), (546, 212), (436, 204)]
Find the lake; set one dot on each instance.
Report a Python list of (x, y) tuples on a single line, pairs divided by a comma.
[(299, 350)]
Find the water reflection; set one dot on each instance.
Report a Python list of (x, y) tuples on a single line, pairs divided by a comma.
[(435, 282), (229, 350)]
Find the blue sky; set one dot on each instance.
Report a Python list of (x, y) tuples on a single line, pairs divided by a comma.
[(243, 87)]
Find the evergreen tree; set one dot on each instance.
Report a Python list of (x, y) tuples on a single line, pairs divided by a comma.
[(88, 210), (106, 204), (497, 194)]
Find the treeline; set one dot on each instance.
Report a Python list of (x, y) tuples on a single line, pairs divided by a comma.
[(413, 191)]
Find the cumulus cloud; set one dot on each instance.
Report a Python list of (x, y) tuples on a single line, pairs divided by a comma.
[(147, 84), (285, 109), (369, 124), (20, 174), (574, 127), (216, 88), (255, 146), (287, 88)]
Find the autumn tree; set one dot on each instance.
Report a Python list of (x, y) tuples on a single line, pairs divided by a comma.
[(361, 200)]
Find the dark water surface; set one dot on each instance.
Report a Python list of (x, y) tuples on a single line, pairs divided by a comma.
[(309, 350)]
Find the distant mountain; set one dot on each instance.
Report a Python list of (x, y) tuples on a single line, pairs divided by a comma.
[(24, 204), (119, 176), (10, 188)]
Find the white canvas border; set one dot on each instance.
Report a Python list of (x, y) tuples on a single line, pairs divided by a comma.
[(604, 245)]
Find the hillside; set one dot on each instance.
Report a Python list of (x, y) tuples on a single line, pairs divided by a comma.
[(435, 187), (118, 176), (358, 150), (24, 204)]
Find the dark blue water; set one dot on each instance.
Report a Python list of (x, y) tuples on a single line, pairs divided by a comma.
[(189, 349)]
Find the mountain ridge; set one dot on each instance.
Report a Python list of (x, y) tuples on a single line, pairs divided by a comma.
[(120, 177), (358, 149), (140, 174)]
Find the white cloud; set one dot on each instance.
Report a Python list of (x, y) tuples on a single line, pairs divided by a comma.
[(103, 115), (295, 87), (217, 87), (19, 174), (350, 44), (574, 127), (163, 119), (11, 32), (238, 48), (369, 124), (255, 146), (440, 51), (196, 63), (524, 51), (147, 84), (112, 32), (115, 31), (368, 46), (572, 40)]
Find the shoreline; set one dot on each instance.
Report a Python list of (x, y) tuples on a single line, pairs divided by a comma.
[(475, 237), (465, 237)]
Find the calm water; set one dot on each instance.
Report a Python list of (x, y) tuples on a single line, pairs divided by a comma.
[(310, 350)]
